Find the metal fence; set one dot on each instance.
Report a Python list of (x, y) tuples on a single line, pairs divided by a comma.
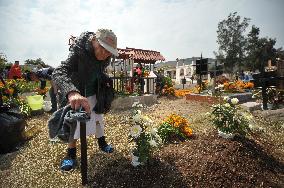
[(140, 85)]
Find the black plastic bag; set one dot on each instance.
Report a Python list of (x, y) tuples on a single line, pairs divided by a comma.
[(12, 127), (104, 94)]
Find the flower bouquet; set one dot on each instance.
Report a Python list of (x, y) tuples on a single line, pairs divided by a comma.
[(143, 136), (9, 96), (229, 118), (175, 128)]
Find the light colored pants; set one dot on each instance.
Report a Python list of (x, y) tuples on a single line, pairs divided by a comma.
[(95, 126)]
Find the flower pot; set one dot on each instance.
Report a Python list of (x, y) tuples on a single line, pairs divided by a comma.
[(35, 102), (135, 160), (47, 106), (226, 135)]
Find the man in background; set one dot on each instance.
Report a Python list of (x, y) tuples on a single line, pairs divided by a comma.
[(15, 71), (43, 75)]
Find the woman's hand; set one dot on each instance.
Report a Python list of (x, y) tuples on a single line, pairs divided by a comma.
[(76, 101)]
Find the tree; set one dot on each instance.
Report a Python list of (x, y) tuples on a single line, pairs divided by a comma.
[(260, 50), (3, 61), (253, 49), (38, 62), (232, 41)]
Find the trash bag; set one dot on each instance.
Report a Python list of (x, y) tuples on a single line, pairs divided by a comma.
[(12, 127)]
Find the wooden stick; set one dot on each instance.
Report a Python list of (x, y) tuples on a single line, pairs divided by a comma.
[(84, 160)]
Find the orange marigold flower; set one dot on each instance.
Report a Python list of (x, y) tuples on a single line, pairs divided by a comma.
[(187, 131), (9, 91)]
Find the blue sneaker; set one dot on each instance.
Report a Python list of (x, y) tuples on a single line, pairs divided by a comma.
[(104, 146), (68, 164), (107, 149)]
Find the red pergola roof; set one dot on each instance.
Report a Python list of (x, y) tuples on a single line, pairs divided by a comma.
[(137, 55)]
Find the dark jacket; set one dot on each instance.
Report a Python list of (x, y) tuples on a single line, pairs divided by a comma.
[(74, 74), (80, 66), (43, 75)]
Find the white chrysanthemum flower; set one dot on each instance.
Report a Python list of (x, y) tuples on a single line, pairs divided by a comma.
[(147, 120), (135, 131), (137, 118), (135, 104), (154, 131), (140, 105), (227, 105), (153, 143), (234, 100)]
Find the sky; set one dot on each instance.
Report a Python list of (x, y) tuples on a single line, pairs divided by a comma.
[(31, 29)]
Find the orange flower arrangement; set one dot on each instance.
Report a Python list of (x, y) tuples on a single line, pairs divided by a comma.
[(237, 86), (187, 131), (179, 122), (1, 85), (249, 85), (168, 91), (9, 91), (41, 91), (182, 92)]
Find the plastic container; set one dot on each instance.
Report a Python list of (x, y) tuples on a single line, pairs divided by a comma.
[(47, 106), (35, 102)]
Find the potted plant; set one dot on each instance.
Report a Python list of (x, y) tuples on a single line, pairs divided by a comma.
[(229, 118)]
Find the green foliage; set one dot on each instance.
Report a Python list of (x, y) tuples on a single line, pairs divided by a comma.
[(260, 50), (25, 109), (230, 118), (3, 61), (143, 149), (142, 135), (166, 131), (11, 91), (244, 52), (167, 81), (231, 40), (36, 62)]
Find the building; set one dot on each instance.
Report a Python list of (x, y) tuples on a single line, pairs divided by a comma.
[(182, 68)]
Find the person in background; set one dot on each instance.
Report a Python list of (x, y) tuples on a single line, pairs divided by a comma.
[(242, 75), (91, 53), (159, 82), (15, 71), (192, 78), (43, 75)]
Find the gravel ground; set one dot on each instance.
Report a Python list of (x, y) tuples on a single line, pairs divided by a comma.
[(203, 161)]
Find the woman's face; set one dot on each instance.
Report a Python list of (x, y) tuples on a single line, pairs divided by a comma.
[(100, 52)]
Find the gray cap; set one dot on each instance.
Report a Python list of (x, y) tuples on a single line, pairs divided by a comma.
[(108, 40)]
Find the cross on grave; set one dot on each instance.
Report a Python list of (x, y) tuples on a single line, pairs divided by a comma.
[(201, 68), (266, 79)]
